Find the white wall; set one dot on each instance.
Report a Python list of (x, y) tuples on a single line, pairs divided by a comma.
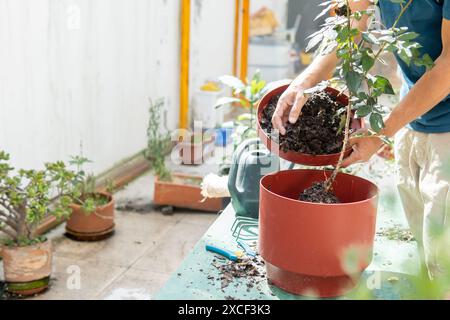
[(76, 71), (212, 41), (83, 70)]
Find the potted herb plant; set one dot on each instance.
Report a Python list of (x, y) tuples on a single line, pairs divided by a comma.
[(26, 197), (172, 189), (92, 217), (319, 220), (246, 95)]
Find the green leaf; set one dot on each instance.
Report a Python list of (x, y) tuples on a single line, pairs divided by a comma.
[(325, 11), (426, 61), (376, 122), (226, 100), (233, 82), (353, 80), (314, 42), (367, 62), (408, 36), (364, 111), (370, 38), (383, 85)]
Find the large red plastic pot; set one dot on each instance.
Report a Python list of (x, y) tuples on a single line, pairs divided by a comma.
[(316, 249), (297, 157)]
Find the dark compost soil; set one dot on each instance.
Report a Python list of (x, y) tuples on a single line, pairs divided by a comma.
[(318, 194), (318, 130)]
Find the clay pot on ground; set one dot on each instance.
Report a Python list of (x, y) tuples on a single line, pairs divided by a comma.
[(296, 157), (196, 149), (184, 191), (313, 249), (27, 270), (98, 225)]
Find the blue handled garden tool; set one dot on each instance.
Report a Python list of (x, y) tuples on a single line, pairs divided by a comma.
[(235, 256)]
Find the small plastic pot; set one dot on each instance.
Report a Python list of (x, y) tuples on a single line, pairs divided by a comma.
[(297, 157), (312, 249)]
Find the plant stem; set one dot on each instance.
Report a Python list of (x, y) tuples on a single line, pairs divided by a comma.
[(383, 46), (330, 181)]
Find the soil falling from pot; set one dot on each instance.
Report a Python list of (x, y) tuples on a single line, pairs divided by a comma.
[(319, 194), (319, 130)]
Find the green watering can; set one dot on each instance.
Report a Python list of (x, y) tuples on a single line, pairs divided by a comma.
[(251, 162)]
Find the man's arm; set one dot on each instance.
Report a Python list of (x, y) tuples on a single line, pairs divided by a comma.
[(431, 89), (292, 101)]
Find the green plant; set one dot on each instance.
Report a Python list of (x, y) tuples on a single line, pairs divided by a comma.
[(247, 96), (158, 142), (355, 49), (27, 196), (84, 187)]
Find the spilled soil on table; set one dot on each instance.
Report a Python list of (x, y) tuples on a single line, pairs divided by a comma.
[(319, 130), (249, 272)]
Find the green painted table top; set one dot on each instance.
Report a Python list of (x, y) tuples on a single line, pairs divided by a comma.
[(388, 277)]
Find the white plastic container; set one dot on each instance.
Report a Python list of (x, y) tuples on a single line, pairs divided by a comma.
[(203, 109)]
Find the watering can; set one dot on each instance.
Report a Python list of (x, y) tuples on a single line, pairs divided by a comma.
[(251, 162)]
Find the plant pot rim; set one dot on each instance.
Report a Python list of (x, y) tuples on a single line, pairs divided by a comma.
[(31, 246), (369, 199), (182, 176), (293, 156), (103, 193)]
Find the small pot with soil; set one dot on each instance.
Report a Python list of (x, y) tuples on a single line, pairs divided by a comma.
[(316, 243), (195, 149), (317, 137), (27, 268), (92, 224)]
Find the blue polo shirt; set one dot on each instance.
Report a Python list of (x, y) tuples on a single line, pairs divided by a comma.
[(425, 18)]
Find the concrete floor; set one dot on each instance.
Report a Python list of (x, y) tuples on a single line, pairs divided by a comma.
[(136, 262)]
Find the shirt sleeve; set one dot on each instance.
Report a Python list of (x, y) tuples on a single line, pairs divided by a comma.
[(446, 9)]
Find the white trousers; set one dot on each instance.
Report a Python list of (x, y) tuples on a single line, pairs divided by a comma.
[(423, 163)]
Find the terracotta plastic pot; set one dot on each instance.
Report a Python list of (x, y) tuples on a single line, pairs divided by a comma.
[(184, 191), (309, 248), (94, 226), (297, 157), (27, 270)]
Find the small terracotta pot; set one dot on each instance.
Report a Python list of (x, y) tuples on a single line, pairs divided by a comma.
[(307, 246), (196, 153), (297, 157), (94, 226), (184, 191), (27, 270)]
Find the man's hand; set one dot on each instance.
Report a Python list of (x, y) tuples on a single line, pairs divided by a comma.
[(364, 147), (289, 107)]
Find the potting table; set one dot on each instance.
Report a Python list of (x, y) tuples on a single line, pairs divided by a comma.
[(389, 276)]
